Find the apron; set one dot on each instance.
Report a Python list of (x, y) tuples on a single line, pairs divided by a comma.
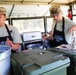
[(59, 36), (3, 39)]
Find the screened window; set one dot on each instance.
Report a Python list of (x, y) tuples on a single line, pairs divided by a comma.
[(49, 24), (74, 12), (65, 10), (29, 25), (74, 18), (74, 9)]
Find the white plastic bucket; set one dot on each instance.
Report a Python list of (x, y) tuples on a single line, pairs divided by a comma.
[(5, 52)]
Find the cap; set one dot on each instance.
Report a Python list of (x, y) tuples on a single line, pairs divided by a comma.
[(2, 10), (55, 10)]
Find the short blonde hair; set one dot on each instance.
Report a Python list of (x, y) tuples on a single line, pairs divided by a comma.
[(55, 9)]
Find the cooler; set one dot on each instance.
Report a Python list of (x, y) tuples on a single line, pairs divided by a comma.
[(71, 70), (32, 40), (5, 52), (39, 62)]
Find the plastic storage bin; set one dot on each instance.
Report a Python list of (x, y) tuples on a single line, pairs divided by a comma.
[(5, 52), (71, 70), (39, 62)]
